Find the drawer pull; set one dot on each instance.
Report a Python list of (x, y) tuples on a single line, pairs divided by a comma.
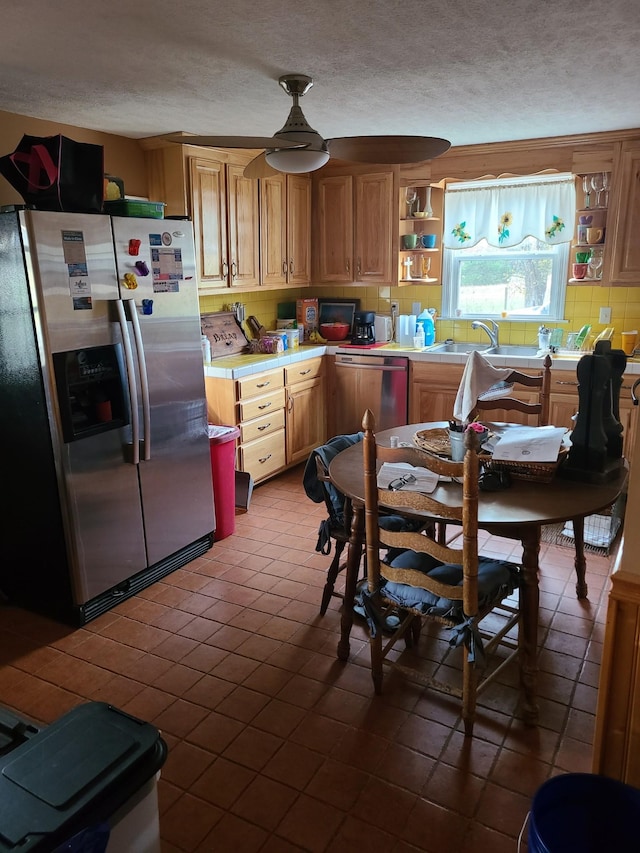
[(560, 382), (265, 458), (264, 406), (304, 372), (265, 426), (263, 384)]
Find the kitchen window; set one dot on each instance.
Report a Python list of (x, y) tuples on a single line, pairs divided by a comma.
[(506, 246)]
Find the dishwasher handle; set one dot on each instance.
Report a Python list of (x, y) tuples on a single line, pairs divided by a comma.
[(358, 366)]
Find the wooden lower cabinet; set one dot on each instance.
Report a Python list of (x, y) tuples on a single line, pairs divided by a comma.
[(564, 405), (306, 426), (279, 424), (255, 404), (433, 387)]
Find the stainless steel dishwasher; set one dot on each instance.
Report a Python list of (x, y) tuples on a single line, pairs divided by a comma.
[(376, 382)]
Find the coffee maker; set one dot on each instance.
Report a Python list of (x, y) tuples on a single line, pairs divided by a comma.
[(364, 323)]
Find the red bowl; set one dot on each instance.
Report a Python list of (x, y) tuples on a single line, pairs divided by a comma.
[(334, 331)]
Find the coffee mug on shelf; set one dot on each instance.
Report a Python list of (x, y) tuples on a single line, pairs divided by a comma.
[(409, 241), (428, 241), (580, 270), (594, 235)]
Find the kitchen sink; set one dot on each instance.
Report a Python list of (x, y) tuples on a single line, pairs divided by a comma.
[(461, 347), (513, 349), (458, 347)]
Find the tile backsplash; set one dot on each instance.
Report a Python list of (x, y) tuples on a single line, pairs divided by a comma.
[(582, 305)]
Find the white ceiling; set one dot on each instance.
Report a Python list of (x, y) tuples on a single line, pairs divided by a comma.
[(474, 71)]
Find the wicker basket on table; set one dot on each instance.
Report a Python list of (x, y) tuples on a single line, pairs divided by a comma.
[(535, 472), (434, 441)]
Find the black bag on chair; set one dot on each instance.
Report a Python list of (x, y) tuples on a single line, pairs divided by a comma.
[(57, 173)]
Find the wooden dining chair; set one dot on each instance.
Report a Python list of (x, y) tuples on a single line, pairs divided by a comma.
[(335, 530), (536, 409), (451, 586)]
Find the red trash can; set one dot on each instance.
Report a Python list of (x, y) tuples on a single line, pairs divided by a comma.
[(222, 444)]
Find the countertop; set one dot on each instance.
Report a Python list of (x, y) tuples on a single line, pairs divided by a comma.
[(237, 366)]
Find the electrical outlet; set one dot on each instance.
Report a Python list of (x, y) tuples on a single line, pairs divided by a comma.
[(395, 307), (605, 315)]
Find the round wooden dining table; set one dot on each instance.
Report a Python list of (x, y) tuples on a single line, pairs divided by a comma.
[(517, 512)]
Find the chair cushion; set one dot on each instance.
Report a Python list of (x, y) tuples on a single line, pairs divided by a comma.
[(496, 580)]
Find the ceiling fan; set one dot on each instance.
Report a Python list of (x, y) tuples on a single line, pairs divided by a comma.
[(297, 147)]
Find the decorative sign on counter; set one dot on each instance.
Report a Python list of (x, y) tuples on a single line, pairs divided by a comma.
[(225, 334)]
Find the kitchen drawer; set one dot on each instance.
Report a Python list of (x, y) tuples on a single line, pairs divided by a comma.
[(259, 406), (263, 457), (260, 383), (302, 371), (260, 427)]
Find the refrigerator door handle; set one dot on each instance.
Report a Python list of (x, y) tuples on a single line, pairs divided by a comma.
[(144, 380), (131, 379)]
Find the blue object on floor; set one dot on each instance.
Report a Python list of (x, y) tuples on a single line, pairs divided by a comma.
[(584, 813)]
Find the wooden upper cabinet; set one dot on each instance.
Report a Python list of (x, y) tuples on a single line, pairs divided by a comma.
[(374, 227), (208, 195), (354, 228), (623, 222), (285, 230), (243, 221), (223, 205), (299, 228), (334, 229)]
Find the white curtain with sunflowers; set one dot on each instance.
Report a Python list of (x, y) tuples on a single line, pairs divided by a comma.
[(504, 211)]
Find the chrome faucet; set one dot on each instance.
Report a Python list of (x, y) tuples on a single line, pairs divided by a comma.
[(493, 332)]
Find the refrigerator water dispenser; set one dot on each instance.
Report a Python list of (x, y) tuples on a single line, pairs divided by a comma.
[(91, 390)]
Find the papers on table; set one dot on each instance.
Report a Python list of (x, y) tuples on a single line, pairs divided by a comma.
[(407, 477), (526, 444)]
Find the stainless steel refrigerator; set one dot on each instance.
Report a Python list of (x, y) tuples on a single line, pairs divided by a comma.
[(106, 468)]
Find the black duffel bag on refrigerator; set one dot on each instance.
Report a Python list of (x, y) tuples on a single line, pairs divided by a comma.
[(57, 173)]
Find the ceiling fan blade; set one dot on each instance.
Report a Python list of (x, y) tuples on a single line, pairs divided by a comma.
[(259, 168), (387, 149), (234, 141)]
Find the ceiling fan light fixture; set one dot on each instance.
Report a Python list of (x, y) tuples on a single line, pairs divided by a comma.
[(296, 160)]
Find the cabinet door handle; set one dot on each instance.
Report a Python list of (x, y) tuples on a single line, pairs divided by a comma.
[(265, 426), (348, 265), (234, 269), (264, 406), (291, 266), (263, 384), (265, 458), (225, 269), (284, 267), (290, 404), (359, 266)]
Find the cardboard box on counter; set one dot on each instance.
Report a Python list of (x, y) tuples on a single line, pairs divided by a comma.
[(307, 315)]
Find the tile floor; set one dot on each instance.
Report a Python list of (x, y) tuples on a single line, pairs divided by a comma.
[(275, 746)]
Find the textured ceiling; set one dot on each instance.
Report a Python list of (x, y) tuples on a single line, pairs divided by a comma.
[(477, 71)]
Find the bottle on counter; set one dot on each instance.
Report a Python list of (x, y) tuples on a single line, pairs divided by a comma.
[(206, 349), (425, 320)]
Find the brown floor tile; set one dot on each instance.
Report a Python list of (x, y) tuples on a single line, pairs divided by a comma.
[(274, 745)]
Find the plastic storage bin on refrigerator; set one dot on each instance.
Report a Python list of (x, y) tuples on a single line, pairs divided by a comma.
[(86, 782)]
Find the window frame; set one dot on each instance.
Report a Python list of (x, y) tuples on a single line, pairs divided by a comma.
[(451, 266)]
